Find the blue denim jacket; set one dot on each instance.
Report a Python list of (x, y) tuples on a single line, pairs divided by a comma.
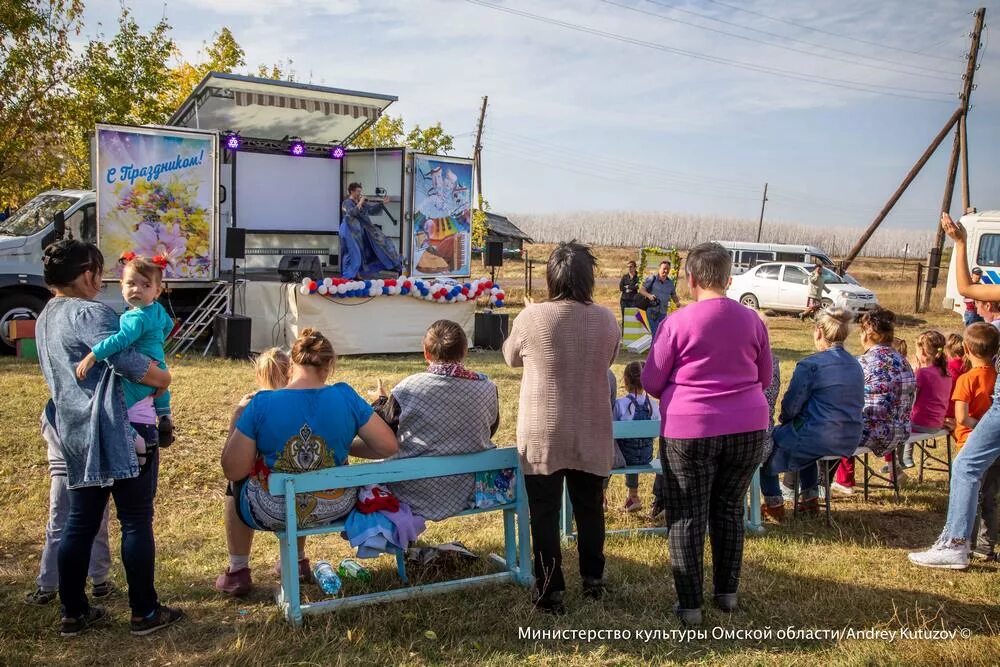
[(821, 410), (90, 416)]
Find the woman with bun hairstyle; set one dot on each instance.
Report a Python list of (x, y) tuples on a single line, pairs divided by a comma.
[(820, 414), (890, 388), (98, 443), (308, 425)]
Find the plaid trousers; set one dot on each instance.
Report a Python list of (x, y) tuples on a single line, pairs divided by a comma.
[(704, 482)]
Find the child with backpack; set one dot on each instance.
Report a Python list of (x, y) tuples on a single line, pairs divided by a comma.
[(634, 406)]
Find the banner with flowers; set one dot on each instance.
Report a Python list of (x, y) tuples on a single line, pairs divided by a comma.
[(156, 197)]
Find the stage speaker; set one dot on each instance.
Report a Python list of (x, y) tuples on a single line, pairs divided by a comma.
[(232, 336), (236, 243), (493, 253), (293, 268), (491, 330)]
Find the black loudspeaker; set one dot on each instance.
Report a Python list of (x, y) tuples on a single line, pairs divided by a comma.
[(293, 268), (232, 336), (491, 331), (236, 243), (493, 253)]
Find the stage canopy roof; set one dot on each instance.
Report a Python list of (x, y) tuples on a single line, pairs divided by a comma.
[(276, 110)]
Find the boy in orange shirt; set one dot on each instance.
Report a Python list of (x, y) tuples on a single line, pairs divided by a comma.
[(973, 396)]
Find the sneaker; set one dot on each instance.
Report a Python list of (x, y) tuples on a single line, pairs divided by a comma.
[(104, 589), (633, 505), (40, 597), (305, 570), (838, 488), (71, 627), (550, 603), (687, 617), (908, 462), (727, 602), (658, 514), (775, 513), (159, 619), (165, 431), (946, 556), (234, 583), (808, 506)]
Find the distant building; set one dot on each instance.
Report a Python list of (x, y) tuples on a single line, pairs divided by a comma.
[(499, 228)]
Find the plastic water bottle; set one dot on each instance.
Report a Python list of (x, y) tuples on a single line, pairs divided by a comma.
[(352, 569), (326, 578)]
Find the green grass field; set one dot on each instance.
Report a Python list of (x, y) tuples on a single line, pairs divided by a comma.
[(853, 576)]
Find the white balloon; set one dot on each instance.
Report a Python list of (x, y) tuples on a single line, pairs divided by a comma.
[(322, 289), (303, 289)]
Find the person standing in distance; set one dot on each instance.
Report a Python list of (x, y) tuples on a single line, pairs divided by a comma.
[(659, 289)]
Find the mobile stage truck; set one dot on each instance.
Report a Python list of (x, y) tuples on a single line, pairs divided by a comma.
[(244, 187)]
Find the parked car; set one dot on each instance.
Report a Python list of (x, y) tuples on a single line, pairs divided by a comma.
[(784, 286)]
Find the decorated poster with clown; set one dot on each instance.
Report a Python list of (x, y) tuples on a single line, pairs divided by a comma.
[(442, 216), (156, 197)]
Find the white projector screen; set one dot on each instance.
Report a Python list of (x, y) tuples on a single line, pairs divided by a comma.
[(287, 193)]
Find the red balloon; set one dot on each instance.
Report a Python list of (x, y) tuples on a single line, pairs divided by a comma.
[(499, 296), (312, 285), (488, 284), (465, 291), (391, 282)]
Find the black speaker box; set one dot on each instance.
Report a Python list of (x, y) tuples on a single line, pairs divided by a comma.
[(293, 268), (493, 253), (232, 336), (236, 243), (491, 331)]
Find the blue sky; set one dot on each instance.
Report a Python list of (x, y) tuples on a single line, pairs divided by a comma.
[(579, 121)]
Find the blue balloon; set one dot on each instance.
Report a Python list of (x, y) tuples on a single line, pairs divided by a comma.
[(385, 291), (499, 304), (404, 290)]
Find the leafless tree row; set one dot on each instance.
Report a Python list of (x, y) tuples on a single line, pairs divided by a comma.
[(636, 229)]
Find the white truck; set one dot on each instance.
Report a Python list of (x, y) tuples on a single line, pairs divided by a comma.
[(983, 251), (281, 182)]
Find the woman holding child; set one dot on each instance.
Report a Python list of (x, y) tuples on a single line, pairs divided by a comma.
[(566, 346), (308, 425), (98, 443), (820, 414), (708, 366)]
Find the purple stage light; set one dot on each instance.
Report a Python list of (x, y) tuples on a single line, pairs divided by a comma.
[(233, 141), (337, 152), (297, 147)]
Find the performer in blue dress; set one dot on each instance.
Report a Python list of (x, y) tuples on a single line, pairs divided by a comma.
[(364, 249)]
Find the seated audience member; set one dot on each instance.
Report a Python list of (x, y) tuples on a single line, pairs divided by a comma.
[(271, 370), (308, 425), (820, 414), (973, 396), (446, 409), (636, 405), (889, 392), (971, 316), (989, 311), (930, 407)]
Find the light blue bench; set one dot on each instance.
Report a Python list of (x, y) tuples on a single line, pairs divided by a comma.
[(517, 546), (651, 429)]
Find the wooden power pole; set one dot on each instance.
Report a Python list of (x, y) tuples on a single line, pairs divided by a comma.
[(477, 153), (760, 225), (959, 149)]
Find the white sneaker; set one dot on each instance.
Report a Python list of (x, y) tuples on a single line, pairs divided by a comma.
[(945, 556), (838, 488)]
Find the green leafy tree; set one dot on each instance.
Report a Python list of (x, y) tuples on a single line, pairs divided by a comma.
[(432, 141), (388, 132), (224, 54), (36, 64), (277, 71), (479, 230)]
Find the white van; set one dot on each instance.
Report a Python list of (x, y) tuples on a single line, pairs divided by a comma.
[(749, 255), (983, 251)]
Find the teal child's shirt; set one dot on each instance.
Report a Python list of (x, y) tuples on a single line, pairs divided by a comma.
[(144, 330)]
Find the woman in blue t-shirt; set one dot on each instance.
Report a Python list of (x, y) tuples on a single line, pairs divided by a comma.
[(308, 425)]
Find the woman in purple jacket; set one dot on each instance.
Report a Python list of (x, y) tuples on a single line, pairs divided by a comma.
[(709, 365)]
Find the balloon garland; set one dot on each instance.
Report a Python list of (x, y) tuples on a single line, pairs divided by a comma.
[(403, 286)]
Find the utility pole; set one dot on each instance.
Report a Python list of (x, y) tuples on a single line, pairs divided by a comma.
[(959, 149), (477, 154), (760, 225)]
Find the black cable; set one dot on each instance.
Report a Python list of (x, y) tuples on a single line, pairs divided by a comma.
[(815, 78)]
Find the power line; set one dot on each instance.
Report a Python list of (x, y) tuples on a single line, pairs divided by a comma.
[(815, 78), (940, 74), (826, 32)]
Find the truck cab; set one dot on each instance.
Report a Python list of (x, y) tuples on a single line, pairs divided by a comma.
[(983, 251), (23, 237)]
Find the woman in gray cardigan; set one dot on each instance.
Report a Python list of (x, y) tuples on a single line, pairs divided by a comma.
[(564, 420)]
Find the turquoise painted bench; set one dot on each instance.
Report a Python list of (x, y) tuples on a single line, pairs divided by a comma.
[(651, 429), (516, 560)]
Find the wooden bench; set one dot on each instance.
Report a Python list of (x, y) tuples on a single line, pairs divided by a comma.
[(516, 560), (651, 429), (888, 480)]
